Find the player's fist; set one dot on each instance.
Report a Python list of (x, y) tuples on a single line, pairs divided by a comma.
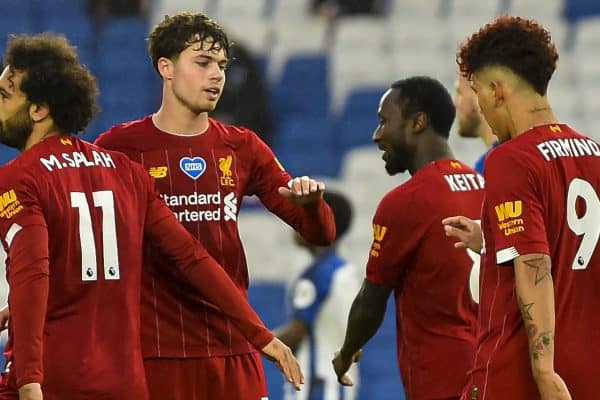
[(303, 190), (342, 364), (283, 357)]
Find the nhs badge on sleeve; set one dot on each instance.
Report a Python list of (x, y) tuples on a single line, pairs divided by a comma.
[(193, 167)]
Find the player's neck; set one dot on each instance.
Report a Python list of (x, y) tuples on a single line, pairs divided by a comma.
[(40, 132), (180, 120), (529, 112), (433, 148)]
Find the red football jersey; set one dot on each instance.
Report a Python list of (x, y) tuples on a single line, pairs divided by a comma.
[(541, 197), (72, 218), (203, 179), (435, 311)]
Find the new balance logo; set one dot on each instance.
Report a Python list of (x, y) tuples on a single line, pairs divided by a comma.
[(158, 172)]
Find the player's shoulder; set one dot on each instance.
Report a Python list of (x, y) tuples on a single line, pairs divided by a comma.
[(126, 132), (234, 135), (395, 199), (25, 164), (115, 155)]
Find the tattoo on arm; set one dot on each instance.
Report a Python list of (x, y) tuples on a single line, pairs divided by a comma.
[(542, 269), (525, 308), (540, 346)]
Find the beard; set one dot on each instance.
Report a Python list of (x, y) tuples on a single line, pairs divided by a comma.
[(16, 130), (398, 161)]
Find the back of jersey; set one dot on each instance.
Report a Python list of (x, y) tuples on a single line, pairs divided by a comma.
[(545, 199), (570, 182), (93, 204)]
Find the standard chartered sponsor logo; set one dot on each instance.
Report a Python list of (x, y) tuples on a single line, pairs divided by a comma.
[(230, 207), (195, 207)]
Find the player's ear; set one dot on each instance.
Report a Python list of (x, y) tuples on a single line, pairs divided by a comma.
[(497, 90), (165, 68), (38, 112), (419, 121)]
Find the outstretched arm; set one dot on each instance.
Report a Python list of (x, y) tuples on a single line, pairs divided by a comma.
[(535, 290), (211, 280), (365, 318)]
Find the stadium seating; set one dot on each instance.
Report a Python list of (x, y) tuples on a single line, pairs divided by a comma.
[(324, 81), (302, 89), (475, 8), (239, 9)]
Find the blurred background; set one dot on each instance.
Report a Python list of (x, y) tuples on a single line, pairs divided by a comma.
[(307, 75)]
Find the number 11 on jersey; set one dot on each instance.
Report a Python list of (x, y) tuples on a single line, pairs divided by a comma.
[(89, 266)]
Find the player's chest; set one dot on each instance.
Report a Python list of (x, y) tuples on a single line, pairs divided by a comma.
[(185, 170)]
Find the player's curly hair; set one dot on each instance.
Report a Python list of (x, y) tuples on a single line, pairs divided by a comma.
[(427, 95), (175, 33), (54, 76), (520, 44)]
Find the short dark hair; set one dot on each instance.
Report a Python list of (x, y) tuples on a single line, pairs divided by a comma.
[(427, 95), (175, 33), (54, 76), (520, 44), (342, 211)]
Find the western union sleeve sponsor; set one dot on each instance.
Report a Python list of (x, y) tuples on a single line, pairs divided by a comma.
[(508, 214), (9, 204), (379, 232)]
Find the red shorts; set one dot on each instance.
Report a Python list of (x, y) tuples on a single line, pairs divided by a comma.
[(224, 378)]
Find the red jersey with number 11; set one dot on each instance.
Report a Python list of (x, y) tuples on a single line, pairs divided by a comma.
[(72, 218)]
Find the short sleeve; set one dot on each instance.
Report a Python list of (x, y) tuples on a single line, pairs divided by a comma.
[(19, 203), (395, 239), (514, 211)]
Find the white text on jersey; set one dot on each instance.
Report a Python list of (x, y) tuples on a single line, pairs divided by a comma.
[(570, 147), (77, 159), (464, 182), (228, 205)]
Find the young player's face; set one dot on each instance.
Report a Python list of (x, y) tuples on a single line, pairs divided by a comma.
[(392, 134), (16, 124), (468, 115), (199, 76)]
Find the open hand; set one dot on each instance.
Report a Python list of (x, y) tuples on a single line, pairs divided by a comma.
[(282, 356)]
